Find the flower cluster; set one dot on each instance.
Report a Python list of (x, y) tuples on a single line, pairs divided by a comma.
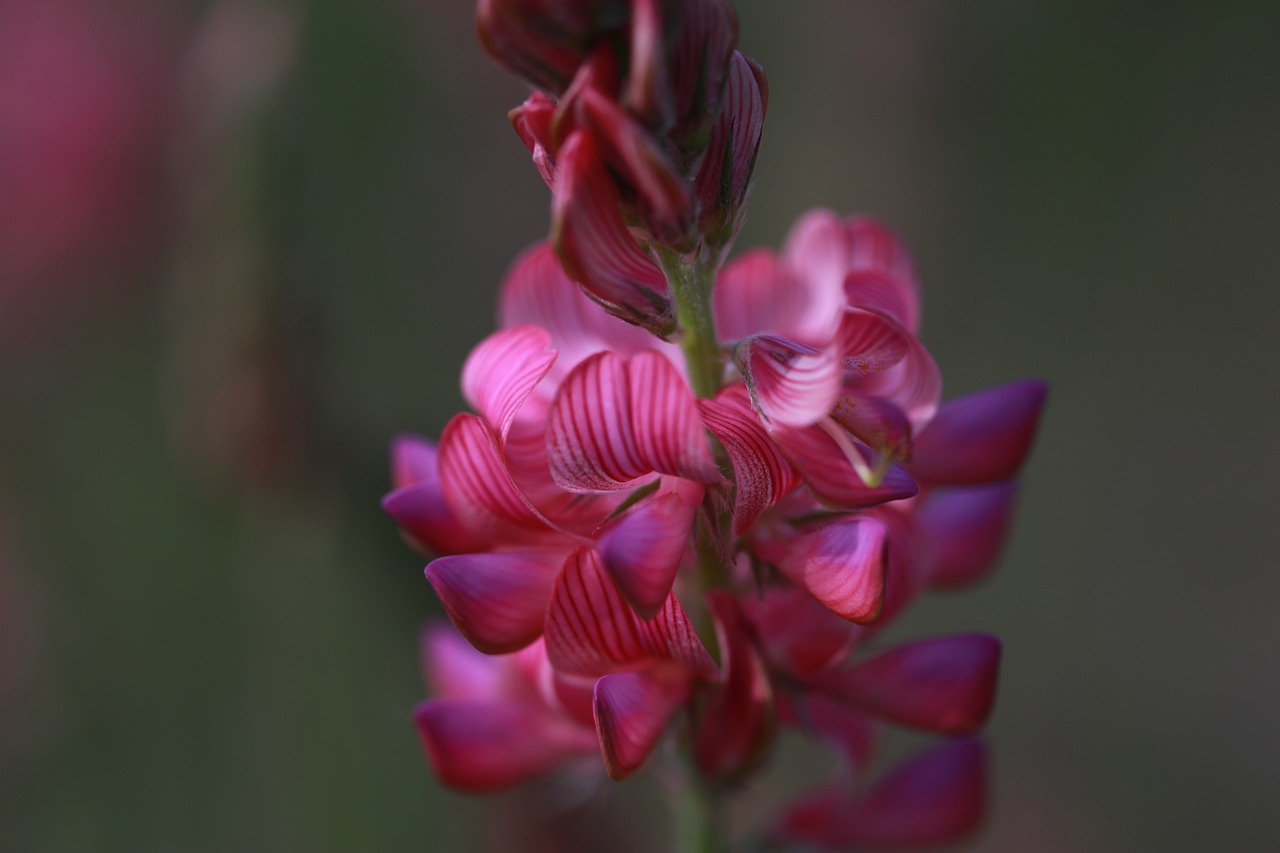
[(704, 532)]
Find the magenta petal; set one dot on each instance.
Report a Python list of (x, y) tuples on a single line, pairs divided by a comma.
[(422, 513), (875, 422), (914, 384), (980, 437), (497, 600), (596, 247), (453, 669), (761, 474), (633, 709), (963, 529), (830, 476), (851, 731), (933, 798), (799, 635), (532, 122), (591, 445), (484, 746), (502, 372), (643, 550), (591, 630), (943, 684), (791, 384), (477, 485), (842, 565)]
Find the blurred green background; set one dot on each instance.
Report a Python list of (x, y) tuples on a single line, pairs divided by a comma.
[(208, 628)]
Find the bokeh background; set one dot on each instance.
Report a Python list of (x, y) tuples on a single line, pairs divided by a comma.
[(244, 243)]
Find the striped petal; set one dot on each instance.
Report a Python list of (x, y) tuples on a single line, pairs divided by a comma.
[(791, 384), (498, 600), (665, 419), (488, 745), (643, 550), (596, 247), (942, 684), (831, 477), (633, 710), (477, 486), (592, 631), (614, 423), (591, 445), (963, 530), (761, 474), (842, 565), (914, 384), (870, 343), (502, 372), (981, 437)]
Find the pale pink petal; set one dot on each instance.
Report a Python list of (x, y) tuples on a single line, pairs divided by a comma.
[(483, 745), (914, 384), (870, 343), (936, 797), (884, 293), (842, 565), (942, 684), (633, 709), (536, 291), (791, 384), (980, 437), (756, 294), (477, 486), (665, 421), (591, 630), (642, 551), (502, 372), (591, 445), (817, 249), (761, 474), (497, 600), (596, 247), (832, 478), (963, 530), (874, 248), (735, 725)]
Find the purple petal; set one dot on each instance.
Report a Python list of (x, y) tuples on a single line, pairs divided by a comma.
[(943, 684), (980, 437), (633, 709), (842, 565), (498, 600), (963, 530)]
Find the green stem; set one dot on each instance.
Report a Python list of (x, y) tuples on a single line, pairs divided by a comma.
[(701, 819), (691, 278)]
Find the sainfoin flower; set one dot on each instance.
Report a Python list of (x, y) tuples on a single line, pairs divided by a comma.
[(690, 497)]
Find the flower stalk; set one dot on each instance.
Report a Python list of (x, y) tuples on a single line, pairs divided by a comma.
[(691, 278)]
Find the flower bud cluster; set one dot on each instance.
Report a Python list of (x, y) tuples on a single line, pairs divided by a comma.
[(645, 123)]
